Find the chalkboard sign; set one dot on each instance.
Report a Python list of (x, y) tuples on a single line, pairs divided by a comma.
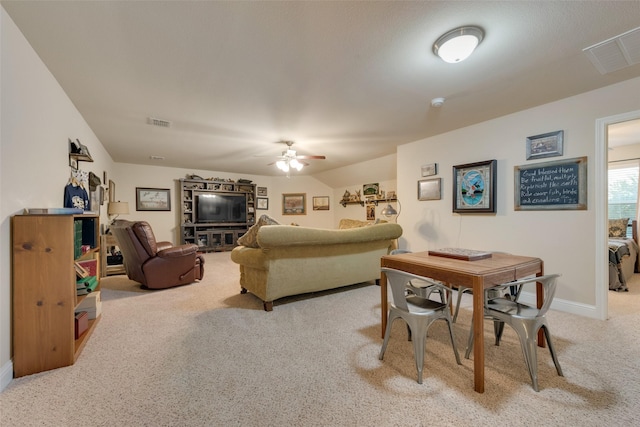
[(552, 185)]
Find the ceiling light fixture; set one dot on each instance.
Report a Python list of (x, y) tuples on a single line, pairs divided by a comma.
[(289, 161), (456, 45)]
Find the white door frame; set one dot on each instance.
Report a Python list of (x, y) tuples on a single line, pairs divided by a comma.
[(601, 206)]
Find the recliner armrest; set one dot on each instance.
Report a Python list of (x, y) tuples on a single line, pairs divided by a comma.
[(178, 251), (163, 245)]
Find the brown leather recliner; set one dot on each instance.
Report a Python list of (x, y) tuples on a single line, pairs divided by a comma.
[(156, 265)]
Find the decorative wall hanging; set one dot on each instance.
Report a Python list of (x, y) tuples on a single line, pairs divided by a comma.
[(474, 187), (429, 170), (557, 185), (153, 199), (294, 204), (429, 189), (263, 203), (545, 145), (321, 203)]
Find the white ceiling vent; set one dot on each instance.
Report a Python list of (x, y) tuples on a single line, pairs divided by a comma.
[(159, 122), (616, 53)]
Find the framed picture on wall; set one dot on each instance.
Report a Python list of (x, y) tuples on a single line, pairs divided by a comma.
[(153, 199), (294, 204), (263, 203), (545, 145), (321, 203), (474, 187), (429, 189)]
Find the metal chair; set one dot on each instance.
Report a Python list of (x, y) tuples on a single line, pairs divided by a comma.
[(419, 313), (524, 319), (420, 287)]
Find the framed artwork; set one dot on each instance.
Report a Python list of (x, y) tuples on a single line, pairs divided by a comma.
[(429, 189), (153, 199), (429, 170), (262, 191), (294, 204), (474, 187), (112, 191), (371, 211), (263, 203), (545, 145), (370, 189), (556, 185), (73, 162), (321, 203)]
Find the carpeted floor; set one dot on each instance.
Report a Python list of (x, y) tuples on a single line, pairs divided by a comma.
[(205, 355)]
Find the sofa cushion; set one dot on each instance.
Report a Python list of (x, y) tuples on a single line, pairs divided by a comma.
[(249, 238)]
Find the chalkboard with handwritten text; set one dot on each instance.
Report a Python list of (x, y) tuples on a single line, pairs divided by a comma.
[(555, 185)]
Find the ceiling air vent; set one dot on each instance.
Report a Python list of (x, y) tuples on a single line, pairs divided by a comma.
[(159, 122), (616, 53)]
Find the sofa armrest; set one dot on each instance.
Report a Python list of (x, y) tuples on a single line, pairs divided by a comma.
[(178, 251), (163, 245), (250, 257)]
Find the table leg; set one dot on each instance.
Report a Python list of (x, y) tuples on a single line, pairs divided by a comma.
[(478, 335), (383, 301)]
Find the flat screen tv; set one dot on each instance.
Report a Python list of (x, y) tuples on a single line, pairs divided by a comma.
[(221, 208)]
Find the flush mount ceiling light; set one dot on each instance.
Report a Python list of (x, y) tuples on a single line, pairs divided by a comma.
[(456, 45)]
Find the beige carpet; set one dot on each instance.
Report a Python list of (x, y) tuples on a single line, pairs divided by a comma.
[(205, 355)]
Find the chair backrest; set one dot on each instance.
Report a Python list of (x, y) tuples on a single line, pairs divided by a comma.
[(398, 280), (549, 284), (137, 244)]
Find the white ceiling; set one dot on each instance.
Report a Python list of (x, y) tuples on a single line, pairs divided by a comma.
[(348, 80)]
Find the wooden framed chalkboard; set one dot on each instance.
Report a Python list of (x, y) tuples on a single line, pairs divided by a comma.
[(555, 185)]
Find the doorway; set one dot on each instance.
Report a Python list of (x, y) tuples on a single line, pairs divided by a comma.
[(601, 196)]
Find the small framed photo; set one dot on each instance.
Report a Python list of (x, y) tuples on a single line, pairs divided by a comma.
[(474, 187), (429, 170), (429, 189), (73, 162), (263, 203), (370, 189), (321, 203), (371, 211), (545, 145), (262, 191), (294, 204), (153, 199)]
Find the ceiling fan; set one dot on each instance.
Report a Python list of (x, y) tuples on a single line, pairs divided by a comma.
[(291, 160)]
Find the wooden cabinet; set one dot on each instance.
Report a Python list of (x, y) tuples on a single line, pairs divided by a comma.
[(44, 249), (218, 231)]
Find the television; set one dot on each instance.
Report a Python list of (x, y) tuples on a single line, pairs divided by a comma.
[(221, 208)]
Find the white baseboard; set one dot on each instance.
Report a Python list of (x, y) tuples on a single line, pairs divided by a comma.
[(565, 306), (6, 375)]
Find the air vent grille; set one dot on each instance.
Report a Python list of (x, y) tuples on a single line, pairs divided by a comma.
[(159, 122), (616, 53)]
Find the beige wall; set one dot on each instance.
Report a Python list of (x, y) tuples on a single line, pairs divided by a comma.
[(565, 240)]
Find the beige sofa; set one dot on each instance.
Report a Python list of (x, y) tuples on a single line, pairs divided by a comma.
[(292, 260)]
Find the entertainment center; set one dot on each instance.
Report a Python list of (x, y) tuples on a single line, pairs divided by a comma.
[(215, 213)]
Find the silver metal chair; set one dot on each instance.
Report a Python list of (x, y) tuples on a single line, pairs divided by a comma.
[(420, 287), (419, 313), (524, 319)]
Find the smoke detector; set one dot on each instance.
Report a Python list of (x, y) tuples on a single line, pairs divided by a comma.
[(437, 102)]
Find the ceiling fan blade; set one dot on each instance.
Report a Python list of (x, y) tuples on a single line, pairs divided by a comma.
[(311, 157)]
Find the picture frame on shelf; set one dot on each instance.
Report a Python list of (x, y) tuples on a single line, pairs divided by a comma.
[(321, 203), (262, 203), (294, 204), (370, 189), (549, 144), (430, 189), (474, 187), (429, 170), (153, 199)]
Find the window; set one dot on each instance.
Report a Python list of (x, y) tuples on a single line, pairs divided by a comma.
[(623, 190)]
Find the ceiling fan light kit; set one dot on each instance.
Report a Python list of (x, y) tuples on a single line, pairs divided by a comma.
[(458, 44), (290, 160)]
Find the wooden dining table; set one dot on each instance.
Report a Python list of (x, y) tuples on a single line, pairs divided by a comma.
[(498, 269)]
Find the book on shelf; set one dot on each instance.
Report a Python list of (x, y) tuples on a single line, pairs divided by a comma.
[(53, 211), (91, 265), (460, 253), (86, 285)]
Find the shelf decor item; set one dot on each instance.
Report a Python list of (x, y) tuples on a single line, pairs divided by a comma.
[(474, 187), (429, 189), (294, 204), (545, 145), (153, 199)]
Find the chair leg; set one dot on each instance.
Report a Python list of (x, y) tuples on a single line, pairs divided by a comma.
[(529, 349), (460, 292), (387, 333), (419, 330), (453, 341), (467, 353), (498, 329), (552, 350)]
